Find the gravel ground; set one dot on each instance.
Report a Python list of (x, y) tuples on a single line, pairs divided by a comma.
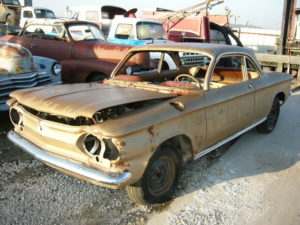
[(254, 181)]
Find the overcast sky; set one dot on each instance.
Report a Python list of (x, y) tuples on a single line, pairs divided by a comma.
[(263, 13)]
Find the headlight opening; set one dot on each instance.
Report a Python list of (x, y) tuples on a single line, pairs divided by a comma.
[(15, 116), (100, 148), (93, 145), (56, 69)]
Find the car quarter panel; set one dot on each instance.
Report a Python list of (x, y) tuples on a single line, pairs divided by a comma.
[(137, 148), (99, 50), (56, 49), (78, 70), (267, 88)]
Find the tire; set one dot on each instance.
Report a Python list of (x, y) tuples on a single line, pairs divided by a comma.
[(269, 124), (39, 31), (160, 178), (11, 19), (96, 77)]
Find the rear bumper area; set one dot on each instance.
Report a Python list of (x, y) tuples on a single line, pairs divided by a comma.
[(72, 168)]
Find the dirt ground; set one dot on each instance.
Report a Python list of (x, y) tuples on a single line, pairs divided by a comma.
[(254, 181)]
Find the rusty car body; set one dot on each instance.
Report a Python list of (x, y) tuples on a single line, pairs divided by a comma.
[(137, 128), (79, 46), (19, 69)]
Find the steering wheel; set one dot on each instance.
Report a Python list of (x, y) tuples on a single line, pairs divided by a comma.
[(188, 79)]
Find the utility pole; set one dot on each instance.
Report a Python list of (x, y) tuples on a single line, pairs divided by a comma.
[(286, 25)]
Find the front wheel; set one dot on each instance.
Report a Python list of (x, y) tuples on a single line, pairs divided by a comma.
[(159, 180), (9, 20), (12, 19), (269, 124)]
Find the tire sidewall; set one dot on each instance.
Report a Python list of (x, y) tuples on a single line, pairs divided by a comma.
[(266, 127), (165, 151), (276, 104), (12, 17)]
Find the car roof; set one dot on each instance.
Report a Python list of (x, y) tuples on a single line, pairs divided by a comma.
[(205, 48), (61, 22), (36, 7), (121, 18)]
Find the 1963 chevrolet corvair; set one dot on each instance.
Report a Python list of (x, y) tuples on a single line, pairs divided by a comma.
[(139, 127)]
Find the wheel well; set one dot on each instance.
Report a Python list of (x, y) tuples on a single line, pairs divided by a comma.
[(89, 77), (281, 97), (183, 144)]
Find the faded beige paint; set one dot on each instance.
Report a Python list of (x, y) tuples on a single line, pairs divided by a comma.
[(205, 118)]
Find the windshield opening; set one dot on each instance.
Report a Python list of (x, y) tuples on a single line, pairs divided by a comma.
[(83, 32), (44, 13), (185, 71), (149, 30), (11, 2)]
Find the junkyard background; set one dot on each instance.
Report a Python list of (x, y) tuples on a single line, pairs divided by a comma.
[(254, 180)]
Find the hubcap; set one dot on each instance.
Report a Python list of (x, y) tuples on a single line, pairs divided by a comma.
[(161, 176)]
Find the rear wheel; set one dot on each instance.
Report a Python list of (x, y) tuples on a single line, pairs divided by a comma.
[(11, 19), (269, 124), (159, 180), (39, 31)]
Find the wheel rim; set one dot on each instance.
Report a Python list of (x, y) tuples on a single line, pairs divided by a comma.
[(9, 21), (161, 176), (272, 117)]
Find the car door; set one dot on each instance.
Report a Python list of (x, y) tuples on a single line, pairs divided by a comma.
[(264, 94), (21, 40), (55, 49), (231, 100)]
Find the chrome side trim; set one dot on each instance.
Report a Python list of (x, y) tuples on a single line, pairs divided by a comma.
[(210, 149), (65, 164)]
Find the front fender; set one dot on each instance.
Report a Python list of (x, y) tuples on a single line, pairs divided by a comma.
[(77, 70)]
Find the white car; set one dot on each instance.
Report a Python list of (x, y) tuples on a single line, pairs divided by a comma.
[(39, 16)]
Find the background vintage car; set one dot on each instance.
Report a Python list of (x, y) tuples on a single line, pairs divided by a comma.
[(19, 69), (138, 128), (6, 29), (79, 46)]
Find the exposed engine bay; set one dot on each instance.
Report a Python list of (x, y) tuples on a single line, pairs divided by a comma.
[(99, 117)]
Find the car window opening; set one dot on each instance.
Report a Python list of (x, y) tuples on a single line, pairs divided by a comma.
[(168, 70)]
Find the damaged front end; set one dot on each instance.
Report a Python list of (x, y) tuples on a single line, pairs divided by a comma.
[(69, 145), (77, 145)]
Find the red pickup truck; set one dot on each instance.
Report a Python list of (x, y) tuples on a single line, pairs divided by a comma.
[(79, 46)]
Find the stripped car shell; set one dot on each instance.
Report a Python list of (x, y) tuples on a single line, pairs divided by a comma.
[(136, 129), (19, 69)]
